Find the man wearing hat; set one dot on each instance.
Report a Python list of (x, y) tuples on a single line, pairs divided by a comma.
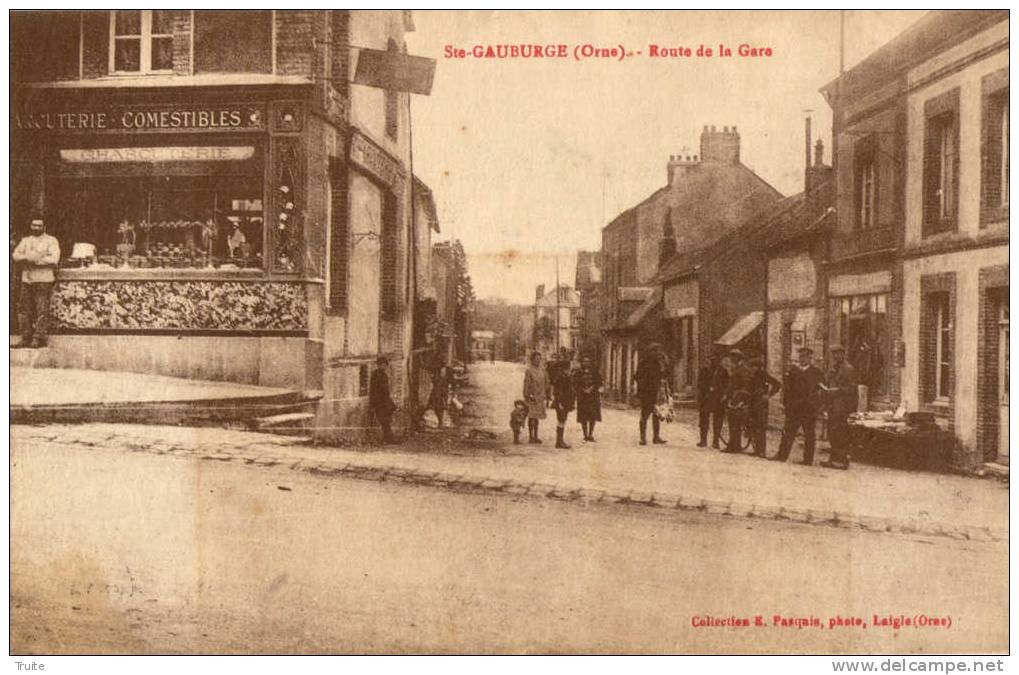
[(737, 398), (801, 401), (840, 385), (762, 387), (712, 381), (37, 255)]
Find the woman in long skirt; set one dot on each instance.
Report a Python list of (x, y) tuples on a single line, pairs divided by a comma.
[(535, 395), (588, 383)]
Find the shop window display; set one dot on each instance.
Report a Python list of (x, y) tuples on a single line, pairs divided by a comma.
[(161, 222), (861, 322)]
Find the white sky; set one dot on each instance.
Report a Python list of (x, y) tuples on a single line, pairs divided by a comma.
[(529, 159)]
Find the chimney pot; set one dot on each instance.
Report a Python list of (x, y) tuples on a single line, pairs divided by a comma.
[(705, 128), (819, 153), (712, 128), (734, 129)]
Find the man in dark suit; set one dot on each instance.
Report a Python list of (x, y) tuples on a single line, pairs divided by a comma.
[(380, 400), (712, 381), (762, 387), (650, 377), (801, 399), (841, 386)]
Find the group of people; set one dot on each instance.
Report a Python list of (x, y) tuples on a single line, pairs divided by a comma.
[(734, 390), (562, 386)]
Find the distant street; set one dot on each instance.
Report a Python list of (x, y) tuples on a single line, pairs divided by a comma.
[(131, 552)]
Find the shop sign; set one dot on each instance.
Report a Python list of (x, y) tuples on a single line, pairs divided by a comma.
[(376, 161), (219, 153), (143, 119)]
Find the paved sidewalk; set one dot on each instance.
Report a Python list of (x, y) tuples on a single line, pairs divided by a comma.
[(671, 477), (68, 386)]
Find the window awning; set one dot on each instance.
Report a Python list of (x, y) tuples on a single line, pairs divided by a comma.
[(641, 312), (743, 327)]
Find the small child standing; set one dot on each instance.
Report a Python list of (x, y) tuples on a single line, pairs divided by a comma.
[(517, 419)]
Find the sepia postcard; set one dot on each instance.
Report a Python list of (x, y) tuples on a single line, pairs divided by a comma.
[(510, 332)]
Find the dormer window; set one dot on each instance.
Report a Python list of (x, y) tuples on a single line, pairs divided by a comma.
[(141, 41)]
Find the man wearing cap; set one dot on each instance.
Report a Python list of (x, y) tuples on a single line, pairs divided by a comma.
[(840, 386), (737, 398), (37, 254), (712, 381), (801, 401), (380, 399)]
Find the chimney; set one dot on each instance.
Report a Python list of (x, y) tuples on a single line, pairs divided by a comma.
[(720, 147), (667, 246), (806, 154), (819, 173), (539, 292), (679, 166)]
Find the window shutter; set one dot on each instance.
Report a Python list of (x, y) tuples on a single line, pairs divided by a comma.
[(390, 257), (931, 173), (339, 239), (96, 44)]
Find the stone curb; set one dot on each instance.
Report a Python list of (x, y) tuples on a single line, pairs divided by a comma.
[(495, 484)]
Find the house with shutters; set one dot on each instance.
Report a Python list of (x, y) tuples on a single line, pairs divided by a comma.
[(231, 204), (706, 197)]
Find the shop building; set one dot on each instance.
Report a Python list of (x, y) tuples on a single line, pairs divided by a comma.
[(706, 198), (556, 320), (229, 205), (955, 257), (918, 276)]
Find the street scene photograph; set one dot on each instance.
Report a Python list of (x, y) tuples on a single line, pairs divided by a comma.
[(509, 332)]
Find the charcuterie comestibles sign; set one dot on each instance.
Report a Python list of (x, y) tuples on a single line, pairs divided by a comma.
[(142, 118)]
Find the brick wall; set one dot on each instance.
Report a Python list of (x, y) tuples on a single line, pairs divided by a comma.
[(96, 45), (182, 42), (295, 33), (993, 291)]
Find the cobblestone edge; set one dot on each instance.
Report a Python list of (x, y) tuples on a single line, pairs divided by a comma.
[(563, 492)]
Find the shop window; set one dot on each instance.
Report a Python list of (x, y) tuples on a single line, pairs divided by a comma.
[(861, 324), (994, 179), (865, 161), (392, 103), (362, 380), (231, 41), (45, 46), (141, 41), (941, 163), (182, 217)]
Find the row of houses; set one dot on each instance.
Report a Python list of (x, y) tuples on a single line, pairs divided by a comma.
[(244, 204), (899, 251)]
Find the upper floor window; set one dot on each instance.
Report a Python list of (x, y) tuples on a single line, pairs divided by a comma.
[(941, 163), (141, 41), (994, 177), (866, 186)]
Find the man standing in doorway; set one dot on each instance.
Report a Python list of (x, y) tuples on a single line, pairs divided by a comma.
[(840, 385), (801, 402), (37, 255)]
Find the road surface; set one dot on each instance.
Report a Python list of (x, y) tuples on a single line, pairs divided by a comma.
[(119, 552)]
